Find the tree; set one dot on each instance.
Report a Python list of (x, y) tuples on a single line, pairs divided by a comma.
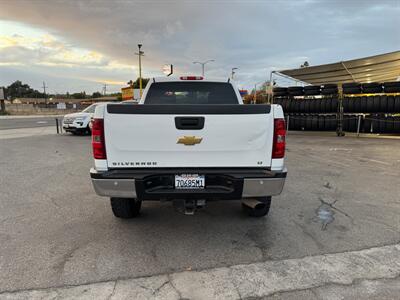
[(136, 83), (19, 90), (96, 95), (81, 95)]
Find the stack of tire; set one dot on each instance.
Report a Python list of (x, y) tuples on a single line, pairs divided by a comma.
[(372, 124), (372, 104), (308, 106), (312, 122), (308, 113), (381, 124), (371, 87)]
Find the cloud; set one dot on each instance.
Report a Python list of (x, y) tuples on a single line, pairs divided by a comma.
[(256, 36)]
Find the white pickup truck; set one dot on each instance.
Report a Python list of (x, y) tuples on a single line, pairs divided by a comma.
[(190, 140)]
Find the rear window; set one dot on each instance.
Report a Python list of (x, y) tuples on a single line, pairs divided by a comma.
[(191, 93)]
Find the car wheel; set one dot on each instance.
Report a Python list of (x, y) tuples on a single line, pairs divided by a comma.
[(125, 208), (259, 210)]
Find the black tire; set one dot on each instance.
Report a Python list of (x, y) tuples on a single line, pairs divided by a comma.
[(314, 123), (295, 90), (375, 124), (357, 104), (302, 122), (307, 106), (367, 125), (333, 123), (334, 105), (280, 91), (302, 106), (294, 121), (258, 213), (312, 90), (345, 103), (329, 91), (296, 106), (328, 105), (345, 124), (87, 131), (125, 208), (370, 104), (389, 125), (363, 104), (390, 104), (353, 124), (397, 104), (377, 104), (396, 125), (318, 106), (323, 106), (351, 88), (308, 123), (351, 105), (372, 88), (383, 104), (391, 87), (321, 123), (284, 104), (289, 105)]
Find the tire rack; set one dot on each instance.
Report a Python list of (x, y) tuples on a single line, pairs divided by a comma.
[(376, 119)]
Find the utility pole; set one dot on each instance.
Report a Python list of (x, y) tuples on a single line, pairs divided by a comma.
[(140, 54), (104, 89), (203, 64), (233, 72), (44, 92)]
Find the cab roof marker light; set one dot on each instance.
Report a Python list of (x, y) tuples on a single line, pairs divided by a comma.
[(191, 78)]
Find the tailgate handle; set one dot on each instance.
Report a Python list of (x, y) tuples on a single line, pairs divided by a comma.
[(189, 123)]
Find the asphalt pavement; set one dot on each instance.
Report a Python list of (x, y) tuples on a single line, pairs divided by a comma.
[(341, 194), (28, 122)]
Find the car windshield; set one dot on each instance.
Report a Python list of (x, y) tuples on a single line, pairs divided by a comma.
[(191, 93), (90, 109)]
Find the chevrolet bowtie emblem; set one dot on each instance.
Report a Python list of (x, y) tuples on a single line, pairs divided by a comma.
[(189, 140)]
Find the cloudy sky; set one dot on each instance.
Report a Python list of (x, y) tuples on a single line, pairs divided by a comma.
[(80, 45)]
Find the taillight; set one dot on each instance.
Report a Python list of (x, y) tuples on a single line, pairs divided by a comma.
[(191, 78), (278, 150), (98, 141)]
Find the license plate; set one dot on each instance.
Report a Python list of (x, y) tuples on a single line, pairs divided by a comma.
[(189, 181)]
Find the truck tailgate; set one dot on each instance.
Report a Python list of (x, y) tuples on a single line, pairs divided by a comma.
[(140, 136)]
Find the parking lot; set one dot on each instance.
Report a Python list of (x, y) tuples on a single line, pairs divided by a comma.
[(341, 194)]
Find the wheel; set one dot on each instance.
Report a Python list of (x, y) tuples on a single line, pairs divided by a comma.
[(87, 131), (261, 211), (125, 208)]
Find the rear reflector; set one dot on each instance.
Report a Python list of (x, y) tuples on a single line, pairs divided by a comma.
[(191, 78), (278, 150), (98, 141)]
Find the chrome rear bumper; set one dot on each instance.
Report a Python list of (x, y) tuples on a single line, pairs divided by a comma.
[(126, 187)]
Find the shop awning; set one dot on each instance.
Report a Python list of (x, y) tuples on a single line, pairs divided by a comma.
[(378, 68)]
